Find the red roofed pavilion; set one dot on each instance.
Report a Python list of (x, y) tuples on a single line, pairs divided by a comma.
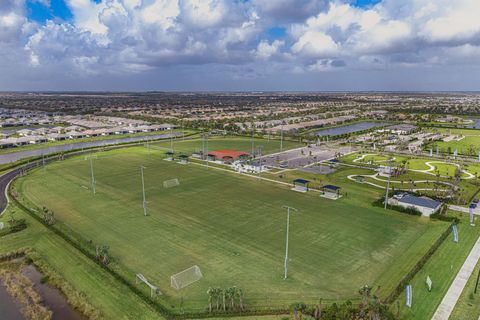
[(227, 155)]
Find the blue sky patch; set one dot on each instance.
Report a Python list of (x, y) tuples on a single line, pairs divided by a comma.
[(40, 13), (366, 3), (275, 33)]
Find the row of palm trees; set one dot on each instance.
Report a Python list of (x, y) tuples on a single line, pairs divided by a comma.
[(230, 299), (370, 308)]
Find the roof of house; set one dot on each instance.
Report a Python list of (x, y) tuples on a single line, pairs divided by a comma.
[(420, 201)]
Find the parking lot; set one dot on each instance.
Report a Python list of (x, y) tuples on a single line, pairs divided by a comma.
[(304, 156)]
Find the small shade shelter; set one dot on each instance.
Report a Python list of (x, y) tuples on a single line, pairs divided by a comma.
[(300, 185), (330, 191), (169, 155), (183, 159)]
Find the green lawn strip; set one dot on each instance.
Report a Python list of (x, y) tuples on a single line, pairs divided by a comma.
[(468, 306), (442, 268), (114, 300), (236, 233)]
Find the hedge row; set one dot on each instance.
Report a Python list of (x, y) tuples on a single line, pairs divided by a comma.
[(418, 266), (411, 210)]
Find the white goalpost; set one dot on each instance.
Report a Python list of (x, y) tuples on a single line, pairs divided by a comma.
[(153, 289), (171, 183), (186, 277)]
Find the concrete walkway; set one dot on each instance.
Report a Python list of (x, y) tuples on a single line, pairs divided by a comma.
[(450, 300)]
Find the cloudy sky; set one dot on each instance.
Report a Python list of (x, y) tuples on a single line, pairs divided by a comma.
[(312, 45)]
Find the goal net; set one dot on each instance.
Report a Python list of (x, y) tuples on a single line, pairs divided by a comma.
[(171, 183), (186, 277)]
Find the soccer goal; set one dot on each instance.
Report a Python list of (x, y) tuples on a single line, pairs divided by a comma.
[(153, 289), (186, 277), (171, 183)]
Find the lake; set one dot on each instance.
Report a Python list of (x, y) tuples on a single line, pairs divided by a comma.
[(349, 128)]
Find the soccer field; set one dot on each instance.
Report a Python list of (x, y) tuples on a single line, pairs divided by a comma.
[(232, 227), (233, 143), (469, 144)]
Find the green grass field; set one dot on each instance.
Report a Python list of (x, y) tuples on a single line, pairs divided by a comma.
[(232, 226), (469, 145), (230, 143)]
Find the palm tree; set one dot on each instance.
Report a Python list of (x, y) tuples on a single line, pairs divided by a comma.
[(230, 295), (210, 293), (318, 310), (374, 309), (239, 295), (365, 293), (223, 296), (217, 294)]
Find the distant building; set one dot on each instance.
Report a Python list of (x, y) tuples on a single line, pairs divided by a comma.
[(401, 129), (425, 205), (248, 167)]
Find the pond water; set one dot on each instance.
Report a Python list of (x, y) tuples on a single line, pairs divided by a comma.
[(9, 309), (53, 299), (476, 124), (349, 128)]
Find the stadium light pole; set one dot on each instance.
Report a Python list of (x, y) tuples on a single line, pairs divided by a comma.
[(206, 145), (203, 142), (388, 184), (143, 191), (92, 174), (253, 134), (286, 239), (260, 161), (183, 130), (281, 138)]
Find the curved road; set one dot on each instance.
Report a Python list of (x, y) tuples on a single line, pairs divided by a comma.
[(4, 181)]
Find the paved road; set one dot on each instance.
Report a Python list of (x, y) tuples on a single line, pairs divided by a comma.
[(9, 176)]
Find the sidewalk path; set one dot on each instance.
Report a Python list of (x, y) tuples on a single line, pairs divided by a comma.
[(450, 300)]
